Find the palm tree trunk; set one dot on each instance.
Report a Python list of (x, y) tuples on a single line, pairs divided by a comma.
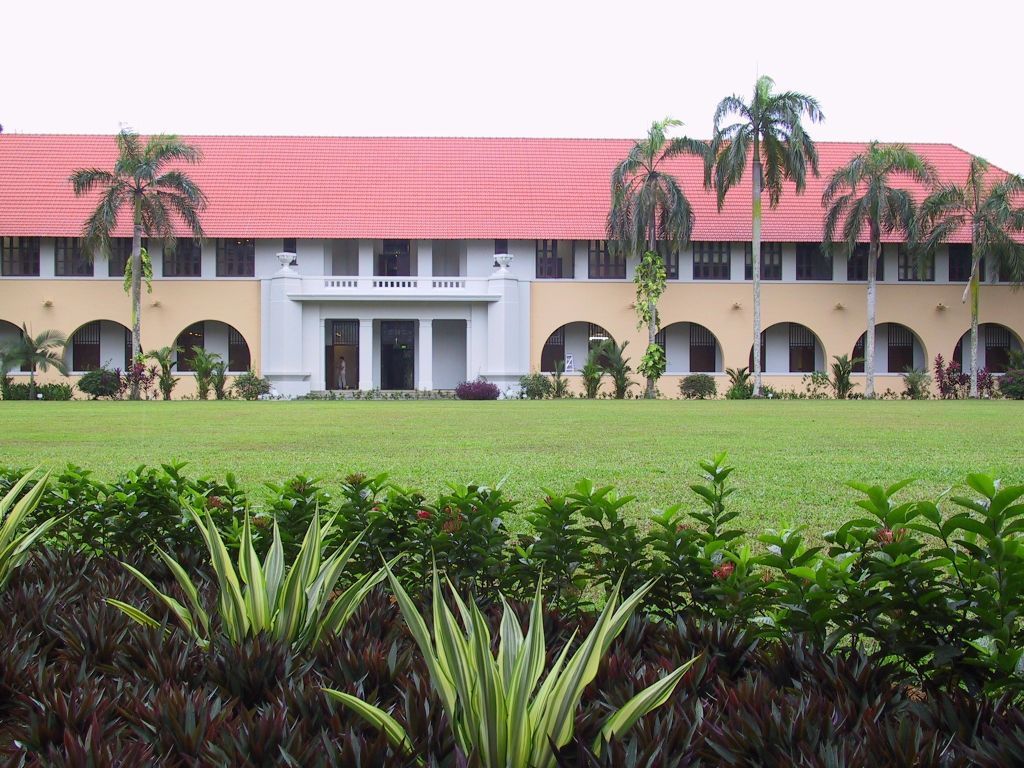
[(755, 265), (32, 382), (652, 326), (136, 297), (869, 340), (975, 288)]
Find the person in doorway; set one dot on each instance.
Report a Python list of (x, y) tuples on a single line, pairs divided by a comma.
[(342, 374)]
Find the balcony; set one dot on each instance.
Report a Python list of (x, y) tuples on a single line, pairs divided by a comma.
[(379, 288)]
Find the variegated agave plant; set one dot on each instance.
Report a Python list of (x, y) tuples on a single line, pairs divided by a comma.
[(16, 541), (295, 604), (500, 709)]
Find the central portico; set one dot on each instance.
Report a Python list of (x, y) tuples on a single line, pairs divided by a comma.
[(402, 327)]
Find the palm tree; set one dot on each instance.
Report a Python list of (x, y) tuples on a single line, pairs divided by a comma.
[(40, 352), (993, 212), (156, 196), (771, 124), (859, 197), (648, 206), (165, 358)]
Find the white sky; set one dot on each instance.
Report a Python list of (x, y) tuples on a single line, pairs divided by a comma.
[(904, 70)]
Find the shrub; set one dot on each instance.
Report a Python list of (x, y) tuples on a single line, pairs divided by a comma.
[(477, 390), (165, 359), (55, 391), (16, 391), (842, 368), (1011, 384), (816, 386), (204, 363), (535, 386), (219, 380), (138, 373), (294, 603), (559, 386), (698, 386), (249, 386), (916, 384), (617, 366), (740, 385), (101, 382), (592, 373)]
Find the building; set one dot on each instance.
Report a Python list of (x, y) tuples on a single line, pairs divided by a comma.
[(424, 262)]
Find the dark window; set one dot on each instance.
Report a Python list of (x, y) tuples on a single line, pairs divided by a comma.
[(771, 261), (85, 347), (812, 263), (910, 270), (603, 263), (236, 258), (960, 262), (69, 259), (193, 336), (19, 256), (702, 349), (289, 245), (1005, 275), (553, 351), (500, 246), (555, 259), (764, 353), (661, 341), (344, 333), (857, 264), (801, 349), (184, 260), (120, 254), (394, 259), (712, 261), (858, 352), (997, 348), (671, 258), (238, 352), (127, 348), (901, 348)]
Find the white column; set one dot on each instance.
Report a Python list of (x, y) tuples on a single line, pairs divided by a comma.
[(469, 350), (365, 354), (282, 350), (425, 355), (366, 258), (425, 258)]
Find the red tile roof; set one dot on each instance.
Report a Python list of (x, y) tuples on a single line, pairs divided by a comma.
[(276, 186)]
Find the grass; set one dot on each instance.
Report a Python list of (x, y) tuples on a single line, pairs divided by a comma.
[(792, 458)]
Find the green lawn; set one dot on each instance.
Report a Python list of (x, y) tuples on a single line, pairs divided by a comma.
[(792, 457)]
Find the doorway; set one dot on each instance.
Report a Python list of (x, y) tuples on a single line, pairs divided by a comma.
[(341, 364), (397, 354)]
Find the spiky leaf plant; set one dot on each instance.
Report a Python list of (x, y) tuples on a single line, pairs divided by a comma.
[(294, 604), (497, 711), (15, 540)]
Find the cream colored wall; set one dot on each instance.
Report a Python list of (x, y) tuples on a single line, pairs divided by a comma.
[(167, 311), (836, 313)]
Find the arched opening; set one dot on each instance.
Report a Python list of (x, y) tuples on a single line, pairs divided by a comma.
[(789, 348), (10, 334), (99, 344), (690, 348), (215, 337), (897, 348), (571, 344), (995, 343)]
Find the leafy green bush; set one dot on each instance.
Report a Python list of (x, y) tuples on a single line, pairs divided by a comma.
[(535, 386), (916, 384), (698, 386), (249, 386), (101, 382), (559, 385), (1011, 384), (592, 373), (219, 380), (55, 390), (740, 385), (842, 370), (617, 366)]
